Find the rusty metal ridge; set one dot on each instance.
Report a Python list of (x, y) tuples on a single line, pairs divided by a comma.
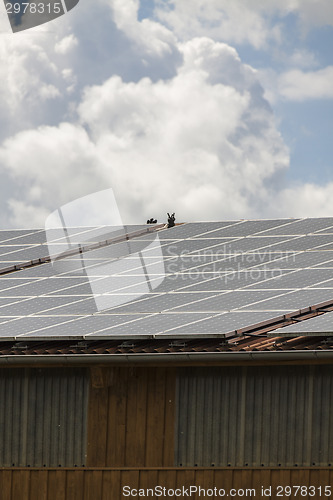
[(80, 250)]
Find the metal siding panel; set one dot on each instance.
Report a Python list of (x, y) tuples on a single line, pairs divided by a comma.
[(207, 431), (29, 416), (308, 418), (315, 442), (69, 434), (199, 412), (189, 421), (223, 456), (248, 453), (62, 420), (267, 412), (271, 416), (54, 431), (274, 422), (233, 418), (257, 421), (217, 410), (325, 413), (282, 412), (47, 421), (43, 417)]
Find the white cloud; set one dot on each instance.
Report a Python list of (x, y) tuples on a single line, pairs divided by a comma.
[(241, 21), (203, 144), (305, 200), (194, 135), (297, 85), (66, 44), (301, 58), (236, 21), (149, 35), (50, 165)]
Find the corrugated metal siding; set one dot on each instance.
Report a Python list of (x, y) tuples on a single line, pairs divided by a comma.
[(255, 416), (43, 417)]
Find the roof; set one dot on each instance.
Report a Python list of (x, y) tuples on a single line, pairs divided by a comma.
[(225, 286)]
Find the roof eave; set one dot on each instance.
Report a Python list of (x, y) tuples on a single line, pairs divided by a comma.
[(162, 358)]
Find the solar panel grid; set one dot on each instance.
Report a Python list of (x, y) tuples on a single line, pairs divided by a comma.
[(197, 286), (94, 324), (154, 324)]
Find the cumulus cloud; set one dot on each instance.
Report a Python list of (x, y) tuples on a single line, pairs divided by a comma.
[(203, 144), (51, 165), (149, 35), (305, 200), (297, 85), (171, 125), (66, 44), (241, 21)]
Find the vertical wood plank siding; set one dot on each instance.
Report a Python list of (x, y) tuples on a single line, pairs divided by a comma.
[(43, 417), (255, 416), (131, 418), (107, 484)]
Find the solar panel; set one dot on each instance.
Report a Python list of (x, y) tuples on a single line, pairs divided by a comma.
[(49, 305), (249, 244), (16, 236), (245, 228), (304, 226), (24, 255), (231, 281), (221, 324), (194, 279), (13, 327), (221, 302), (296, 279), (294, 260), (292, 301), (192, 229), (154, 324), (319, 325), (319, 242)]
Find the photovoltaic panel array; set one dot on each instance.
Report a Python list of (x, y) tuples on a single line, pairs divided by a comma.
[(318, 325), (197, 279)]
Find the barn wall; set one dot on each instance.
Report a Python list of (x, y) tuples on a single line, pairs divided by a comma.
[(131, 418), (43, 417), (237, 416), (107, 484), (255, 416)]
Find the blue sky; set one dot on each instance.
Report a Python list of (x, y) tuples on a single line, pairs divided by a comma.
[(306, 126), (213, 110)]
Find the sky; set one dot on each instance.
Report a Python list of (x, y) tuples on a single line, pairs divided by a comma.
[(213, 110)]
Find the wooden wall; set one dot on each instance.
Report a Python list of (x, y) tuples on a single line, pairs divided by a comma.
[(131, 417), (106, 484)]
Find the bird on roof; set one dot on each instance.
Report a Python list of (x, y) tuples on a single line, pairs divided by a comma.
[(171, 219)]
